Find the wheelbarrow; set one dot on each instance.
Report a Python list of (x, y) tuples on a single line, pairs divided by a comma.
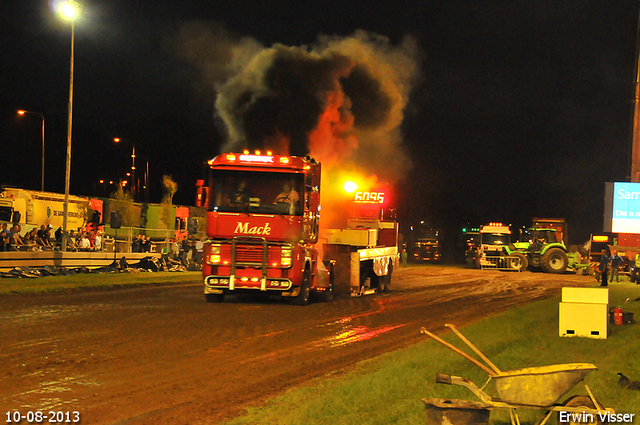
[(529, 388)]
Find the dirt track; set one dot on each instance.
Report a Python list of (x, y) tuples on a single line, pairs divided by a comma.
[(163, 355)]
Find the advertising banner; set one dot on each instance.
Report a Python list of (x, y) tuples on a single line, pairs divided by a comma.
[(622, 207)]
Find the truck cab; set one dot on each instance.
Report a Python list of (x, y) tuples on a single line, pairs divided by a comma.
[(262, 227), (494, 238), (426, 246)]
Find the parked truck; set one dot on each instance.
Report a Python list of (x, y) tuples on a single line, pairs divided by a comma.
[(425, 246), (263, 229), (495, 250), (627, 245), (31, 209)]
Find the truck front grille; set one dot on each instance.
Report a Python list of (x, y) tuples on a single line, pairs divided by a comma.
[(249, 253)]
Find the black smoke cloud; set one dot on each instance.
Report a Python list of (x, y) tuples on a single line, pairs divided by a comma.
[(283, 92), (341, 99), (280, 94)]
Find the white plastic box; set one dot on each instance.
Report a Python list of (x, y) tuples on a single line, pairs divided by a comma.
[(585, 312)]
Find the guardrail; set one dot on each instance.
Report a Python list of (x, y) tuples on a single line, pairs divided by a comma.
[(500, 263)]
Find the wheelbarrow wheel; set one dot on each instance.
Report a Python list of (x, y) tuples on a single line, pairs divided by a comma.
[(579, 401)]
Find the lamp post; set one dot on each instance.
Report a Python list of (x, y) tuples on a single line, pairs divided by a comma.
[(134, 186), (69, 10), (23, 112)]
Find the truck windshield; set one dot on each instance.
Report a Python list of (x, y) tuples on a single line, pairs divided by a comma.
[(495, 239), (256, 192)]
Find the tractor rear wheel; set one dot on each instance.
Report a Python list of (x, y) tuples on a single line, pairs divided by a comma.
[(554, 261)]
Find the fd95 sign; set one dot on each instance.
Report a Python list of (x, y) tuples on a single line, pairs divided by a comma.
[(370, 197)]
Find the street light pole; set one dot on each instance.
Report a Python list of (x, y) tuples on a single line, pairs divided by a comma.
[(134, 186), (23, 112), (67, 175), (70, 11)]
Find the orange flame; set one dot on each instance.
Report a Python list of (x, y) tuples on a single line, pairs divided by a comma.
[(333, 138)]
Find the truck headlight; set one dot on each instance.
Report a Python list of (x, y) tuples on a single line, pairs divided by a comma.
[(285, 256), (214, 254)]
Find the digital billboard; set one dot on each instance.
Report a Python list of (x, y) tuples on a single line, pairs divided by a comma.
[(622, 207)]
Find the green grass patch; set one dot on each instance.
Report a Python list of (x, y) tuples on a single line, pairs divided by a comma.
[(389, 388), (52, 284)]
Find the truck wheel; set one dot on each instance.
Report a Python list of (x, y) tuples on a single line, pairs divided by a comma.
[(554, 261), (518, 262), (387, 280), (377, 282), (214, 298), (305, 289)]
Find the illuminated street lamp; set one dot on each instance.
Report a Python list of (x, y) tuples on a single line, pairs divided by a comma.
[(23, 112), (133, 166), (68, 10)]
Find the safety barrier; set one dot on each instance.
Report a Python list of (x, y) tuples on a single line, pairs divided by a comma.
[(500, 263)]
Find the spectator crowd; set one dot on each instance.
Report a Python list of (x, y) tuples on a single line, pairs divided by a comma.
[(187, 250), (11, 239)]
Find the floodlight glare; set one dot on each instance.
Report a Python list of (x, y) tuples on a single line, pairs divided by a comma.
[(69, 9), (350, 186)]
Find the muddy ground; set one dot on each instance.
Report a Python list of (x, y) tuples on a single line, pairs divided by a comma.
[(162, 355)]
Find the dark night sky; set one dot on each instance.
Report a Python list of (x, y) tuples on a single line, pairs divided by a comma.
[(522, 109)]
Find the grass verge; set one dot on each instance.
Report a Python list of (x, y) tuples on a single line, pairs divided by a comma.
[(388, 389), (52, 284)]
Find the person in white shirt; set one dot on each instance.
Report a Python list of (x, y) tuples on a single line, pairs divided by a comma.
[(84, 244), (97, 241)]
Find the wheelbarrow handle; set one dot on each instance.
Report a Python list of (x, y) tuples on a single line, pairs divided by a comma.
[(474, 348), (443, 378), (457, 350)]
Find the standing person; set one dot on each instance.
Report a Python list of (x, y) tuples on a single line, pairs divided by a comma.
[(616, 262), (603, 268), (72, 241), (58, 236), (146, 244), (403, 257), (136, 245), (184, 252), (4, 237), (199, 250), (175, 249), (97, 241), (634, 272)]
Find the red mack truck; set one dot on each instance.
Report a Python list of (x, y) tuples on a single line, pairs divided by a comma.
[(263, 232)]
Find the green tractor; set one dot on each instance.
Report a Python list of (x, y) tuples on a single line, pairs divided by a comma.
[(543, 250)]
